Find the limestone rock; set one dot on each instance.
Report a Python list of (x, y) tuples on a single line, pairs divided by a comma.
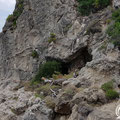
[(30, 116), (63, 104), (81, 43), (38, 112), (116, 3), (91, 96), (106, 112)]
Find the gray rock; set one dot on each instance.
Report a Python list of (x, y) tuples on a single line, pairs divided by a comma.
[(101, 115), (78, 40), (59, 81), (116, 3), (30, 116), (84, 109), (38, 112)]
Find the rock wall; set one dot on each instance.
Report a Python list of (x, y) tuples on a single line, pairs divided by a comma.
[(37, 21), (81, 42)]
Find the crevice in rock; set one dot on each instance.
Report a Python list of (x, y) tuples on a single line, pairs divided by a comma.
[(83, 56)]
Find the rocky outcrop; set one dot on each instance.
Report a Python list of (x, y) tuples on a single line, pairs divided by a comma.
[(116, 3), (34, 25), (21, 105), (80, 43)]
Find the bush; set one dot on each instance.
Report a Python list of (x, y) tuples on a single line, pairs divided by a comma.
[(109, 91), (114, 30), (47, 70), (107, 86), (112, 94), (10, 17), (34, 54), (116, 15), (13, 17), (52, 38), (85, 7)]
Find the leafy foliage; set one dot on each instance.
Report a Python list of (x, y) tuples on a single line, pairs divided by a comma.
[(13, 17), (34, 54), (107, 86), (112, 94), (10, 17), (47, 70), (114, 30), (87, 6), (52, 38)]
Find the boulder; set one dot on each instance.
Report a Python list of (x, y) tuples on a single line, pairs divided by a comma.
[(30, 116), (63, 108), (38, 112), (91, 96), (101, 115)]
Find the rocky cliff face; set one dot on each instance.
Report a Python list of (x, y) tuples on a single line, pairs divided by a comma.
[(37, 21), (80, 43)]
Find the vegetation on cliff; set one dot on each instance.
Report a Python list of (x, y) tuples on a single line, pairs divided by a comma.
[(34, 54), (47, 70), (85, 7), (17, 12), (114, 29), (109, 90)]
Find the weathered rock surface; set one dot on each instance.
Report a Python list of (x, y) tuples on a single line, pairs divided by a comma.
[(81, 43), (116, 3), (15, 104)]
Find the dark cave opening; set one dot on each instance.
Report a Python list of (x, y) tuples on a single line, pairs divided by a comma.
[(86, 55), (65, 68), (77, 61), (83, 56)]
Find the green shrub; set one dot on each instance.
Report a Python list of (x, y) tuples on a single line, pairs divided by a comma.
[(85, 7), (47, 70), (114, 30), (107, 86), (108, 21), (116, 14), (14, 24), (19, 9), (112, 94), (101, 3), (109, 91), (10, 17), (34, 54), (52, 38)]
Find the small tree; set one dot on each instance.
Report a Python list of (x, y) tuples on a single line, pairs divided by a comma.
[(47, 70)]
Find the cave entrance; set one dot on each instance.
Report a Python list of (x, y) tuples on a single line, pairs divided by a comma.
[(83, 56), (64, 65), (76, 61), (65, 68)]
